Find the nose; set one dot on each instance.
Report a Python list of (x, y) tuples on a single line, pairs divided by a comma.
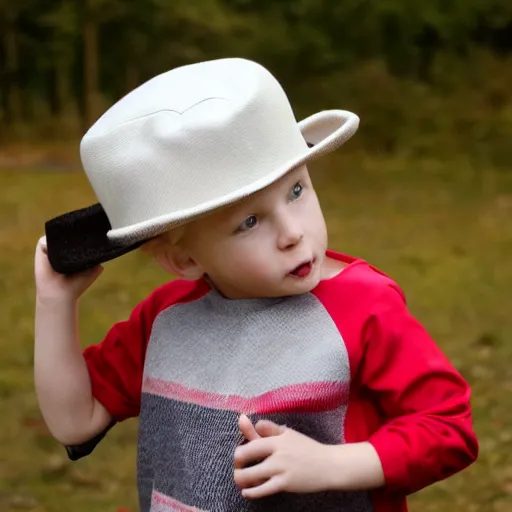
[(290, 233)]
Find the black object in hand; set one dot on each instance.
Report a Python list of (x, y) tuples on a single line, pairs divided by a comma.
[(77, 240)]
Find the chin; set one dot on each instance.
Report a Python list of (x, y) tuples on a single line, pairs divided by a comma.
[(306, 286), (290, 286)]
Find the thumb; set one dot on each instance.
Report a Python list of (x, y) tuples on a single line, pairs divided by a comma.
[(86, 277), (96, 271), (267, 428), (91, 274)]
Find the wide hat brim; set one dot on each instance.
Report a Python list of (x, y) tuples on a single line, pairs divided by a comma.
[(84, 238)]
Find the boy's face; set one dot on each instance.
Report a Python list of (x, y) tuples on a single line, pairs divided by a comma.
[(271, 244)]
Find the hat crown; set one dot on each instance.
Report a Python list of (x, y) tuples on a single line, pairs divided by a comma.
[(187, 138)]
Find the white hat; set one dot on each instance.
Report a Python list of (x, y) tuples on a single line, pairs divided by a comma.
[(196, 138)]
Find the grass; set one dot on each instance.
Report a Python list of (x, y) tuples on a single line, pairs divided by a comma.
[(442, 230)]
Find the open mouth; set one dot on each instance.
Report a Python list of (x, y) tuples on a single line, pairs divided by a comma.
[(302, 270)]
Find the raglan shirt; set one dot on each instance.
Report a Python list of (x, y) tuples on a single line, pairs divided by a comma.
[(344, 363)]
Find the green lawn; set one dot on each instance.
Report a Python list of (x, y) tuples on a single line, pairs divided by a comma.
[(442, 230)]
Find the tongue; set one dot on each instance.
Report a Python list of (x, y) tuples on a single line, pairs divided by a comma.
[(302, 270)]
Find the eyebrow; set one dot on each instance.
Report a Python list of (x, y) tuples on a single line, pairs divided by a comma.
[(250, 208)]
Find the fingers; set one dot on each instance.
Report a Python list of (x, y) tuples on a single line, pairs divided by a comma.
[(266, 428), (255, 451), (85, 278), (247, 428), (41, 247), (260, 478), (253, 476), (271, 486), (41, 243), (93, 272), (41, 262)]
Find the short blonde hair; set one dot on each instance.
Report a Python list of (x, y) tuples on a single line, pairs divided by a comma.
[(172, 237)]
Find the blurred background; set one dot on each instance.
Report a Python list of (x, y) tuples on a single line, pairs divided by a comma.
[(424, 190)]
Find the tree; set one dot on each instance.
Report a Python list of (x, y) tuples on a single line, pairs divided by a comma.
[(11, 87)]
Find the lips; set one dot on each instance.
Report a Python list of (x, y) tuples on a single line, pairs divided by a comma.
[(302, 270)]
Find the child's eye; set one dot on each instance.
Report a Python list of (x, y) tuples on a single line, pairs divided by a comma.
[(296, 191), (248, 223)]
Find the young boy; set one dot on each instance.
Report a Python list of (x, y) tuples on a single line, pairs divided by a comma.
[(275, 374)]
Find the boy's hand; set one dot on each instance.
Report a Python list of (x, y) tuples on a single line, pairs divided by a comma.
[(52, 286), (285, 461)]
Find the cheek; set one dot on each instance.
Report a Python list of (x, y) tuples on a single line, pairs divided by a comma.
[(313, 218), (248, 255), (320, 227)]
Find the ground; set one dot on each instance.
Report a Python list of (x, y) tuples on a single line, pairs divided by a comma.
[(442, 230)]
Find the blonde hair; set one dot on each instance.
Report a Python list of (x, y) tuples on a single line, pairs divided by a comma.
[(172, 237)]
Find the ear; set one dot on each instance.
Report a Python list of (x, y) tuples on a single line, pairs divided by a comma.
[(176, 260)]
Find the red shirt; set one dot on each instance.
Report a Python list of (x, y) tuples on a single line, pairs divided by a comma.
[(405, 397)]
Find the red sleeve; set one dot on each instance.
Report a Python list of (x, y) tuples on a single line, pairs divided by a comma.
[(428, 435), (116, 364)]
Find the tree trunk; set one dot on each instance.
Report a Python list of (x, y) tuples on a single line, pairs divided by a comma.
[(3, 79), (132, 76), (12, 85), (62, 88), (90, 68), (59, 88)]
